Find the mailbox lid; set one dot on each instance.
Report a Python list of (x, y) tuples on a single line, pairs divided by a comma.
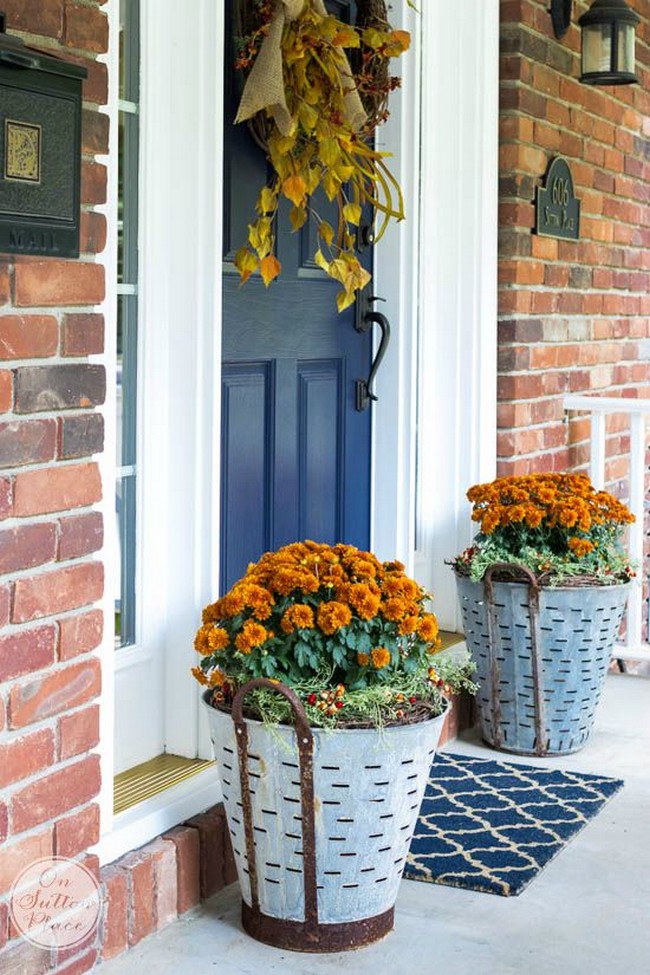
[(14, 53)]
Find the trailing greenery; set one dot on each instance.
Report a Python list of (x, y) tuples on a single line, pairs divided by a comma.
[(416, 696)]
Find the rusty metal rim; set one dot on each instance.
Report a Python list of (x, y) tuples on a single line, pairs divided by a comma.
[(321, 938)]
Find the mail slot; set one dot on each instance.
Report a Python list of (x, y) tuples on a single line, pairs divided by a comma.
[(40, 150)]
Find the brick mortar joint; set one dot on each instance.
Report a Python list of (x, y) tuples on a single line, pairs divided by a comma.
[(54, 565), (47, 311), (557, 316), (61, 617), (59, 464), (50, 360), (60, 765), (519, 85), (592, 292), (49, 517)]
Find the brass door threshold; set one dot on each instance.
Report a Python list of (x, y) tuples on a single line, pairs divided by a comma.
[(450, 639), (153, 777)]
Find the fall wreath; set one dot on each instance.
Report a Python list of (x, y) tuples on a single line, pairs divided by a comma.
[(316, 89)]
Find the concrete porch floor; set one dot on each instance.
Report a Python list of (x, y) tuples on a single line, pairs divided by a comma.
[(587, 913)]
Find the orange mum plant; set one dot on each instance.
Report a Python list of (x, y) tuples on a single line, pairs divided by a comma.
[(352, 635), (557, 525)]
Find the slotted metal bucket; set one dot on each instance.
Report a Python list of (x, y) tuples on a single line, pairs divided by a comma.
[(541, 657), (321, 822)]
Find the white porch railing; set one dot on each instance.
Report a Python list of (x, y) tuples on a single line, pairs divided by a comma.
[(637, 410)]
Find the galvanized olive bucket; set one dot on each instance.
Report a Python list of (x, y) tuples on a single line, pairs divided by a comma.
[(541, 657), (321, 822)]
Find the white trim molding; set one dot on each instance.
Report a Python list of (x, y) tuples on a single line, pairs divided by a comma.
[(109, 553), (151, 701), (396, 280), (458, 275)]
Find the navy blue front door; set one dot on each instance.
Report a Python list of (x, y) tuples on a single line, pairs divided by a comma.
[(295, 451)]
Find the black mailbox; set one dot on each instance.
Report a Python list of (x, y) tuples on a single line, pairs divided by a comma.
[(40, 151)]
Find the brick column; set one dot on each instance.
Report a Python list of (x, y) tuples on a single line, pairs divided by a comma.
[(51, 573), (574, 315)]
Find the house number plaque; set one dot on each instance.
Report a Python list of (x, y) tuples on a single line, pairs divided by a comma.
[(558, 209)]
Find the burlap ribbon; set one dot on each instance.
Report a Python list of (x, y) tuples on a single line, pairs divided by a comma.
[(264, 87)]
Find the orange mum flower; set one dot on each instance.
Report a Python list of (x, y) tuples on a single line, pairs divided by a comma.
[(363, 568), (546, 495), (286, 579), (428, 628), (580, 546), (380, 658), (200, 676), (233, 602), (332, 616), (259, 599), (218, 639), (252, 635), (534, 516), (516, 513), (363, 600), (212, 613), (217, 678), (394, 609), (363, 659), (490, 521), (408, 625), (567, 517), (201, 644), (297, 617)]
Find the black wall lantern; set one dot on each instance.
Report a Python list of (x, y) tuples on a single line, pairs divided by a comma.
[(40, 151), (608, 40)]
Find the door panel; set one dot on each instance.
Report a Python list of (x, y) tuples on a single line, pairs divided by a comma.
[(247, 400), (321, 388), (296, 453)]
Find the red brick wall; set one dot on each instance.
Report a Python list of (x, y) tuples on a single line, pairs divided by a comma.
[(51, 576), (574, 315)]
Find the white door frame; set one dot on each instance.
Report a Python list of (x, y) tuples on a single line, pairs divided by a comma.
[(179, 378), (180, 361), (458, 265)]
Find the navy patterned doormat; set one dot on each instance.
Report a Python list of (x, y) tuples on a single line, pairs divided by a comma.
[(492, 827)]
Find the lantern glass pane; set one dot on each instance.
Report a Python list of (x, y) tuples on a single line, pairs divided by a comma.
[(596, 48), (626, 52)]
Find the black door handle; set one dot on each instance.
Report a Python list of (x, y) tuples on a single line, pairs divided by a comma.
[(363, 387)]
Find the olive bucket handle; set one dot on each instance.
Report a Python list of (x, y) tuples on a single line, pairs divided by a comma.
[(535, 646), (305, 740)]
